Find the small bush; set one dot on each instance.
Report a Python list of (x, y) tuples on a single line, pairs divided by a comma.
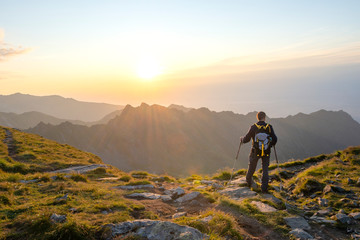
[(138, 183), (125, 178), (4, 200), (79, 178), (308, 186), (224, 175), (100, 171), (139, 174), (72, 230), (355, 161), (44, 178)]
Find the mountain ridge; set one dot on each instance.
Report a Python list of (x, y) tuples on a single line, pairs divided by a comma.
[(159, 139)]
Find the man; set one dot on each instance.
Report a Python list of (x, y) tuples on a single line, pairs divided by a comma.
[(263, 138)]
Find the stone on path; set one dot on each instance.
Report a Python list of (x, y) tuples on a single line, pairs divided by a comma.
[(187, 197), (55, 218), (300, 234), (343, 218), (154, 230), (297, 222), (238, 181), (272, 198), (263, 207), (175, 192), (238, 192)]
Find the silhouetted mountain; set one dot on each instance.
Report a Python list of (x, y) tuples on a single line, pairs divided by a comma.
[(56, 106), (160, 139)]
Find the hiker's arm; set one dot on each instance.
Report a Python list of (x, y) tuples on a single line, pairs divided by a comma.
[(273, 136), (247, 137)]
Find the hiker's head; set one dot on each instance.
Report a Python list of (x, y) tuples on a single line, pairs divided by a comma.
[(261, 116)]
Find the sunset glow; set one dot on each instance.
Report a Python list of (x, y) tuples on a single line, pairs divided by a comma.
[(148, 68)]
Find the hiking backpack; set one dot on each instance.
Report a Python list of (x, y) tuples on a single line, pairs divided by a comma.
[(262, 140)]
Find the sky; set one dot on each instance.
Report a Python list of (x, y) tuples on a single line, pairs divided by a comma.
[(282, 57)]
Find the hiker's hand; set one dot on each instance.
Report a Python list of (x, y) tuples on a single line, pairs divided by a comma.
[(241, 140)]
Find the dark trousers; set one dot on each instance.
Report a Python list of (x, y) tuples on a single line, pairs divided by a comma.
[(253, 160)]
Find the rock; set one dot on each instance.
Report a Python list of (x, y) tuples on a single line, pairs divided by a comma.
[(301, 234), (343, 218), (342, 211), (145, 195), (187, 197), (179, 214), (175, 192), (133, 187), (323, 202), (29, 181), (238, 192), (272, 198), (297, 222), (55, 218), (264, 208), (166, 198), (291, 208), (63, 198), (154, 230), (335, 189), (324, 212), (80, 169), (358, 183), (355, 215), (322, 220), (207, 182), (239, 181), (73, 210)]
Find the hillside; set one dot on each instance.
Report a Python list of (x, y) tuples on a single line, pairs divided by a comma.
[(56, 106), (41, 198), (167, 140), (31, 119)]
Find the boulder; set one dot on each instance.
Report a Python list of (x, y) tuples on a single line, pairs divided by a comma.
[(154, 230), (335, 189), (55, 218), (145, 195), (355, 215), (175, 192), (272, 198), (322, 220), (301, 234), (187, 197), (264, 208), (238, 192), (238, 181), (297, 222), (343, 218)]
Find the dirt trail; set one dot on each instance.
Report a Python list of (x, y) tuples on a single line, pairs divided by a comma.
[(9, 141)]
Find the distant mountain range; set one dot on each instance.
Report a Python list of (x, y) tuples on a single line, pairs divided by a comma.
[(56, 106), (186, 141)]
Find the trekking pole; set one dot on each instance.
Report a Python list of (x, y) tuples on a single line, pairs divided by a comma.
[(232, 171), (277, 163)]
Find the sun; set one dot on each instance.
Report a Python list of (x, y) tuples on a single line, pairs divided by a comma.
[(148, 68)]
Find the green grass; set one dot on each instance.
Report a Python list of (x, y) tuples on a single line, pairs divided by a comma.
[(221, 226)]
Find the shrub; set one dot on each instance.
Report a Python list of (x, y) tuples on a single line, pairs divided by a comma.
[(125, 178), (224, 175), (4, 200), (308, 186), (99, 171), (79, 178), (138, 183), (139, 174)]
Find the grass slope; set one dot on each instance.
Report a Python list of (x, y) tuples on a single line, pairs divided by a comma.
[(92, 200)]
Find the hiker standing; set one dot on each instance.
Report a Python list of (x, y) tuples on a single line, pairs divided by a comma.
[(263, 138)]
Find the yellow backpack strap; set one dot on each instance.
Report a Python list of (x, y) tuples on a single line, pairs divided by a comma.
[(258, 126), (268, 126)]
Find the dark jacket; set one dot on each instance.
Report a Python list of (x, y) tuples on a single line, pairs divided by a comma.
[(251, 134)]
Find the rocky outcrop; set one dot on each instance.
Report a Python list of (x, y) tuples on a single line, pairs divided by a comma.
[(80, 169), (238, 192), (263, 207), (297, 222), (153, 230), (301, 234), (187, 197)]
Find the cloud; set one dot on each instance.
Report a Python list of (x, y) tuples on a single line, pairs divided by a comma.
[(9, 50), (283, 59)]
